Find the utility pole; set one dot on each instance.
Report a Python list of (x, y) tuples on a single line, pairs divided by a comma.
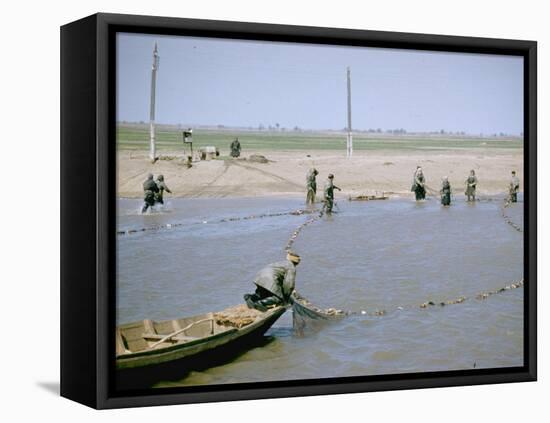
[(349, 143), (152, 147)]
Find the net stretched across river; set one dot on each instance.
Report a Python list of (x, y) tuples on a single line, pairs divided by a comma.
[(308, 315)]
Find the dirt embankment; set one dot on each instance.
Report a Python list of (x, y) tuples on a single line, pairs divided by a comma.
[(366, 173)]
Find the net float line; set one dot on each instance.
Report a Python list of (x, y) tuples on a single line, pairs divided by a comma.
[(298, 212), (507, 203), (305, 307), (308, 309), (309, 221)]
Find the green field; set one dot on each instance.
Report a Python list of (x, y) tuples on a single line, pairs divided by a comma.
[(136, 137)]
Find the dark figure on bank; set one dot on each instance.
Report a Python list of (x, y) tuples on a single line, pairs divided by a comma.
[(235, 148), (150, 189), (329, 193), (189, 162), (274, 284), (514, 187), (445, 192), (161, 185), (419, 184), (471, 184), (311, 186)]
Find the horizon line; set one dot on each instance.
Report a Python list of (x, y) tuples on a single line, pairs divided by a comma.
[(297, 129)]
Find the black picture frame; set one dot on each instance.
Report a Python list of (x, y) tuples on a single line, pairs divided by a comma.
[(88, 208)]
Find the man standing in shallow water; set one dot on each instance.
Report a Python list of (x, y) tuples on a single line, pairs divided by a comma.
[(150, 189), (514, 187), (471, 184), (311, 186), (161, 185), (418, 186), (329, 193), (445, 192)]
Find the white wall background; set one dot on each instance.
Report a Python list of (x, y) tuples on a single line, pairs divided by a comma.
[(29, 279)]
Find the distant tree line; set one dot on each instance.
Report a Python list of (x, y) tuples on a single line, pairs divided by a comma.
[(277, 127)]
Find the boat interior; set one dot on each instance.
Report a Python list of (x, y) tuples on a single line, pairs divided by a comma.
[(148, 334)]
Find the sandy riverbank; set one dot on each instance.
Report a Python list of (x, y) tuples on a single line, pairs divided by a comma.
[(366, 173)]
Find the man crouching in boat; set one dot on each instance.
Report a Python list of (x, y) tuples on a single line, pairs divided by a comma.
[(274, 284)]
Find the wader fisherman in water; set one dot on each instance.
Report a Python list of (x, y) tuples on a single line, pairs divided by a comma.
[(274, 284), (445, 192), (471, 184), (514, 187), (150, 189), (329, 193), (235, 148), (311, 186), (418, 185), (161, 185)]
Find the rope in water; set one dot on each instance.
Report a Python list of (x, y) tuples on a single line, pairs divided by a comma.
[(302, 226), (431, 191), (507, 218), (479, 296), (298, 212), (333, 312)]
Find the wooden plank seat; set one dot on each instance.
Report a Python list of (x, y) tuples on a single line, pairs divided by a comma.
[(177, 338)]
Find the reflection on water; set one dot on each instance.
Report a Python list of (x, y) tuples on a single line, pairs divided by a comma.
[(371, 255)]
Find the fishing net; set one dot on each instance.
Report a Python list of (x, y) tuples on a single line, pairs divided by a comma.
[(308, 317)]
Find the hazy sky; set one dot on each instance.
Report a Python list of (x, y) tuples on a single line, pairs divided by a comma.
[(208, 81)]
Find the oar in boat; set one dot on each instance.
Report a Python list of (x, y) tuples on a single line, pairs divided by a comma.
[(167, 337)]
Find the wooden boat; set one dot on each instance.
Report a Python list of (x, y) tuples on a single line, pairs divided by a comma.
[(147, 343)]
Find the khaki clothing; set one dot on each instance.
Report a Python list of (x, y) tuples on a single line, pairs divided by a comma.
[(311, 187), (418, 186), (235, 149), (329, 195), (471, 184), (150, 185), (514, 189), (150, 189), (278, 278), (445, 193), (160, 194)]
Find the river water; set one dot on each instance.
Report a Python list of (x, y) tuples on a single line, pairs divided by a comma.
[(368, 256)]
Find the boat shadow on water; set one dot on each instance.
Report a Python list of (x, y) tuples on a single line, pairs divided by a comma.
[(173, 372)]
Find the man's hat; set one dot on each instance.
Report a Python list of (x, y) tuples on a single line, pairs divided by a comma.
[(293, 257)]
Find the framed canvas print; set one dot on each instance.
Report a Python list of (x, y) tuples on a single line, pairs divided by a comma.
[(258, 211)]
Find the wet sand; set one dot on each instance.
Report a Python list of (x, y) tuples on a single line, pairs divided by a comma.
[(368, 172)]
